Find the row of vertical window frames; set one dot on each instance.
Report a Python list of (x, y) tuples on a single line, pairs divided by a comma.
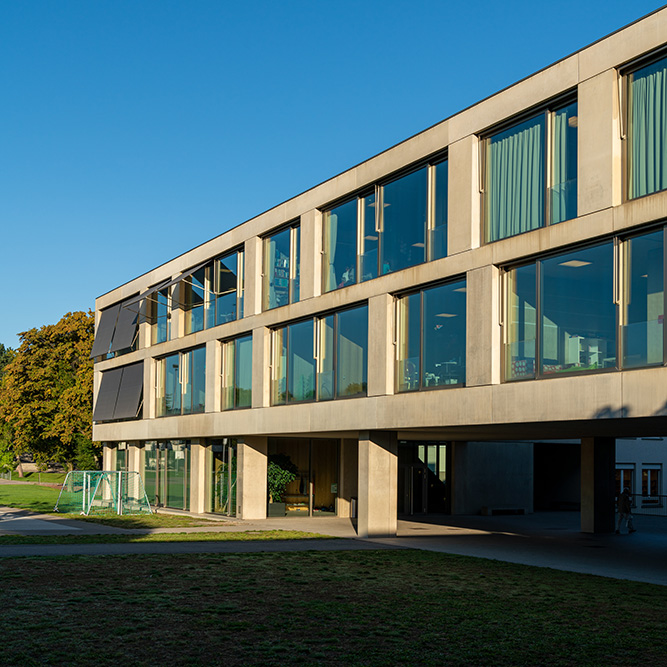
[(276, 294), (451, 371), (370, 214), (547, 112), (208, 299), (325, 359), (188, 362), (236, 373), (640, 181), (621, 288)]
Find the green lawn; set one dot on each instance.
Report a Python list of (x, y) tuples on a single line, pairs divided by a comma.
[(331, 608), (28, 497), (40, 477), (232, 536)]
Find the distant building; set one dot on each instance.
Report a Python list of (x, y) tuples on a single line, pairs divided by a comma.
[(406, 331)]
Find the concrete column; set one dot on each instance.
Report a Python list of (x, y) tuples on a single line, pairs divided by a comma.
[(109, 456), (378, 484), (261, 361), (380, 345), (134, 457), (597, 484), (251, 497), (213, 380), (198, 478), (463, 206), (599, 143), (150, 380), (347, 478), (483, 344), (252, 301), (311, 255)]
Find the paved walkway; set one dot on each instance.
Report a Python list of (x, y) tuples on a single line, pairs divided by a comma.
[(549, 539)]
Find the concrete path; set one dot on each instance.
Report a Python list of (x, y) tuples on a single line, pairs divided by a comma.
[(549, 539)]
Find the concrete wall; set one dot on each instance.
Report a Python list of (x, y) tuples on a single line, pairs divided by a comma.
[(492, 475)]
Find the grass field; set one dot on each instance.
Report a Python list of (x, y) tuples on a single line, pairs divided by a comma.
[(40, 477), (330, 608), (29, 497)]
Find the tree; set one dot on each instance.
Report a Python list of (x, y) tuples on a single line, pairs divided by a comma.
[(6, 436), (47, 389)]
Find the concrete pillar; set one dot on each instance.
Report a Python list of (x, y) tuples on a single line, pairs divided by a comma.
[(213, 397), (310, 279), (599, 137), (252, 300), (261, 361), (378, 484), (381, 353), (463, 206), (597, 484), (483, 349), (109, 456), (251, 497), (347, 479), (198, 478)]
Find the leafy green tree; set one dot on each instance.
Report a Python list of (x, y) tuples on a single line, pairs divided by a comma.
[(47, 389), (7, 456)]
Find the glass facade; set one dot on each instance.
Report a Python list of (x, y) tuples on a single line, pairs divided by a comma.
[(181, 383), (643, 312), (281, 268), (223, 469), (564, 307), (647, 136), (228, 289), (194, 289), (398, 225), (161, 319), (431, 338), (167, 473), (321, 359), (531, 174), (237, 373)]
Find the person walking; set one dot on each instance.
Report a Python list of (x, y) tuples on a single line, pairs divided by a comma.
[(624, 506)]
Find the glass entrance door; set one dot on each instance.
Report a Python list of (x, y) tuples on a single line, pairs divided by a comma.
[(422, 479), (167, 473)]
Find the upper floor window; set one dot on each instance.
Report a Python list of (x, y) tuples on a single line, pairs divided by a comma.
[(281, 268), (160, 309), (647, 129), (531, 173), (431, 337), (321, 359), (213, 294), (181, 383), (237, 373), (560, 314), (397, 225), (120, 395), (117, 329)]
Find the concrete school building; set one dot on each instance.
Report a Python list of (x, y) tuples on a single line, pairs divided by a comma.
[(421, 333)]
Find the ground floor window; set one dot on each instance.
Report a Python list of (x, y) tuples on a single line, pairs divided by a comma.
[(312, 470), (651, 483), (422, 478), (223, 476), (625, 473), (167, 473)]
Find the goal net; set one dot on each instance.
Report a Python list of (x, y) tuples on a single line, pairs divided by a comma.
[(103, 492)]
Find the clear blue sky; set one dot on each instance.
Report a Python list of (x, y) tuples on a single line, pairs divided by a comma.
[(134, 130)]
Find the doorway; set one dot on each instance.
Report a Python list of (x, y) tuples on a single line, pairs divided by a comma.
[(423, 486)]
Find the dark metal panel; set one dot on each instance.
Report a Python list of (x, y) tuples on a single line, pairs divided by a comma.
[(126, 328), (130, 392), (104, 332), (105, 405)]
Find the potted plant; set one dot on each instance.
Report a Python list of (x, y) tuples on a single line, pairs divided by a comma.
[(280, 472)]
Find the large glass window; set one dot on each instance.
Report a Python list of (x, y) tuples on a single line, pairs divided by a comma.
[(531, 173), (228, 288), (195, 292), (237, 373), (431, 337), (399, 224), (181, 383), (643, 311), (647, 129), (281, 268), (564, 307), (321, 359), (167, 473), (161, 316)]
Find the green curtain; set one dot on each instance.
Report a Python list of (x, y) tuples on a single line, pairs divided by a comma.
[(648, 130), (515, 180)]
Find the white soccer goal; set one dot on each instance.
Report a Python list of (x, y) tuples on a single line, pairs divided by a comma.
[(103, 492)]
